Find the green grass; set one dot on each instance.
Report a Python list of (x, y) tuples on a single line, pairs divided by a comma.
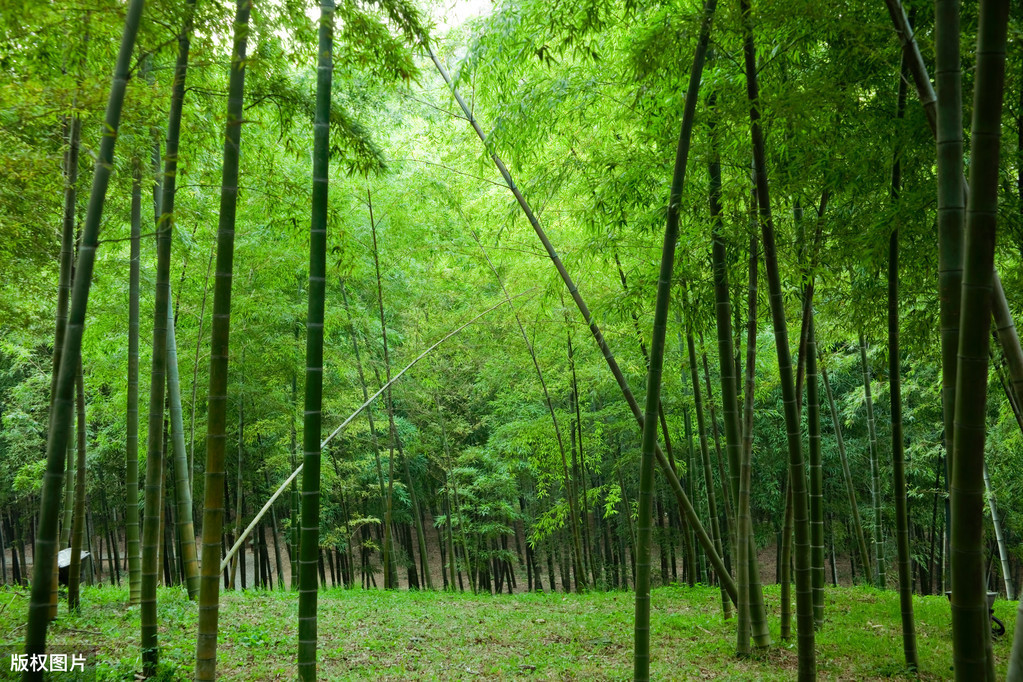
[(436, 635)]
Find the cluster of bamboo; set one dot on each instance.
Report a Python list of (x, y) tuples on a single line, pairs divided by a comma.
[(970, 294)]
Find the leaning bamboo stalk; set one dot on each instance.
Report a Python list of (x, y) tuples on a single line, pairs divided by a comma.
[(241, 538), (57, 439), (712, 508)]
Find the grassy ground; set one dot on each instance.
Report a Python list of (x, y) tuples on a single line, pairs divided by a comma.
[(410, 635)]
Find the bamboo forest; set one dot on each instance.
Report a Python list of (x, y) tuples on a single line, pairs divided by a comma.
[(511, 339)]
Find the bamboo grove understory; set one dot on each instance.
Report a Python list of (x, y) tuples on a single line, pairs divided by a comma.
[(365, 220)]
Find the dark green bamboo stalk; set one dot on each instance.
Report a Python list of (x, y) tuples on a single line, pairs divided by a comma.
[(727, 366), (167, 366), (131, 531), (861, 542), (78, 524), (905, 566), (57, 439), (970, 628), (948, 129), (751, 597), (729, 535), (216, 436), (804, 596), (877, 536), (310, 542), (641, 660), (67, 247), (182, 489), (816, 471), (726, 605)]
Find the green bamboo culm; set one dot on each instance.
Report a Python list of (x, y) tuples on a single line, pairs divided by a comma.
[(182, 487), (729, 381), (951, 200), (131, 455), (641, 652), (216, 421), (970, 628), (310, 542), (163, 320), (67, 247), (57, 439), (804, 595), (182, 490), (902, 544), (78, 523), (877, 536), (816, 471), (751, 596)]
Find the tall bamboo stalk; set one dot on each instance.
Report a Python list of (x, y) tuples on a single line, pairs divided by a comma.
[(390, 579), (951, 200), (902, 541), (67, 246), (182, 489), (970, 629), (641, 660), (131, 530), (165, 228), (216, 435), (816, 471), (1003, 552), (751, 596), (310, 543), (57, 439), (804, 595)]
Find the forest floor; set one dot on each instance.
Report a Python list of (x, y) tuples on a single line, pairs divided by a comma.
[(447, 636)]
